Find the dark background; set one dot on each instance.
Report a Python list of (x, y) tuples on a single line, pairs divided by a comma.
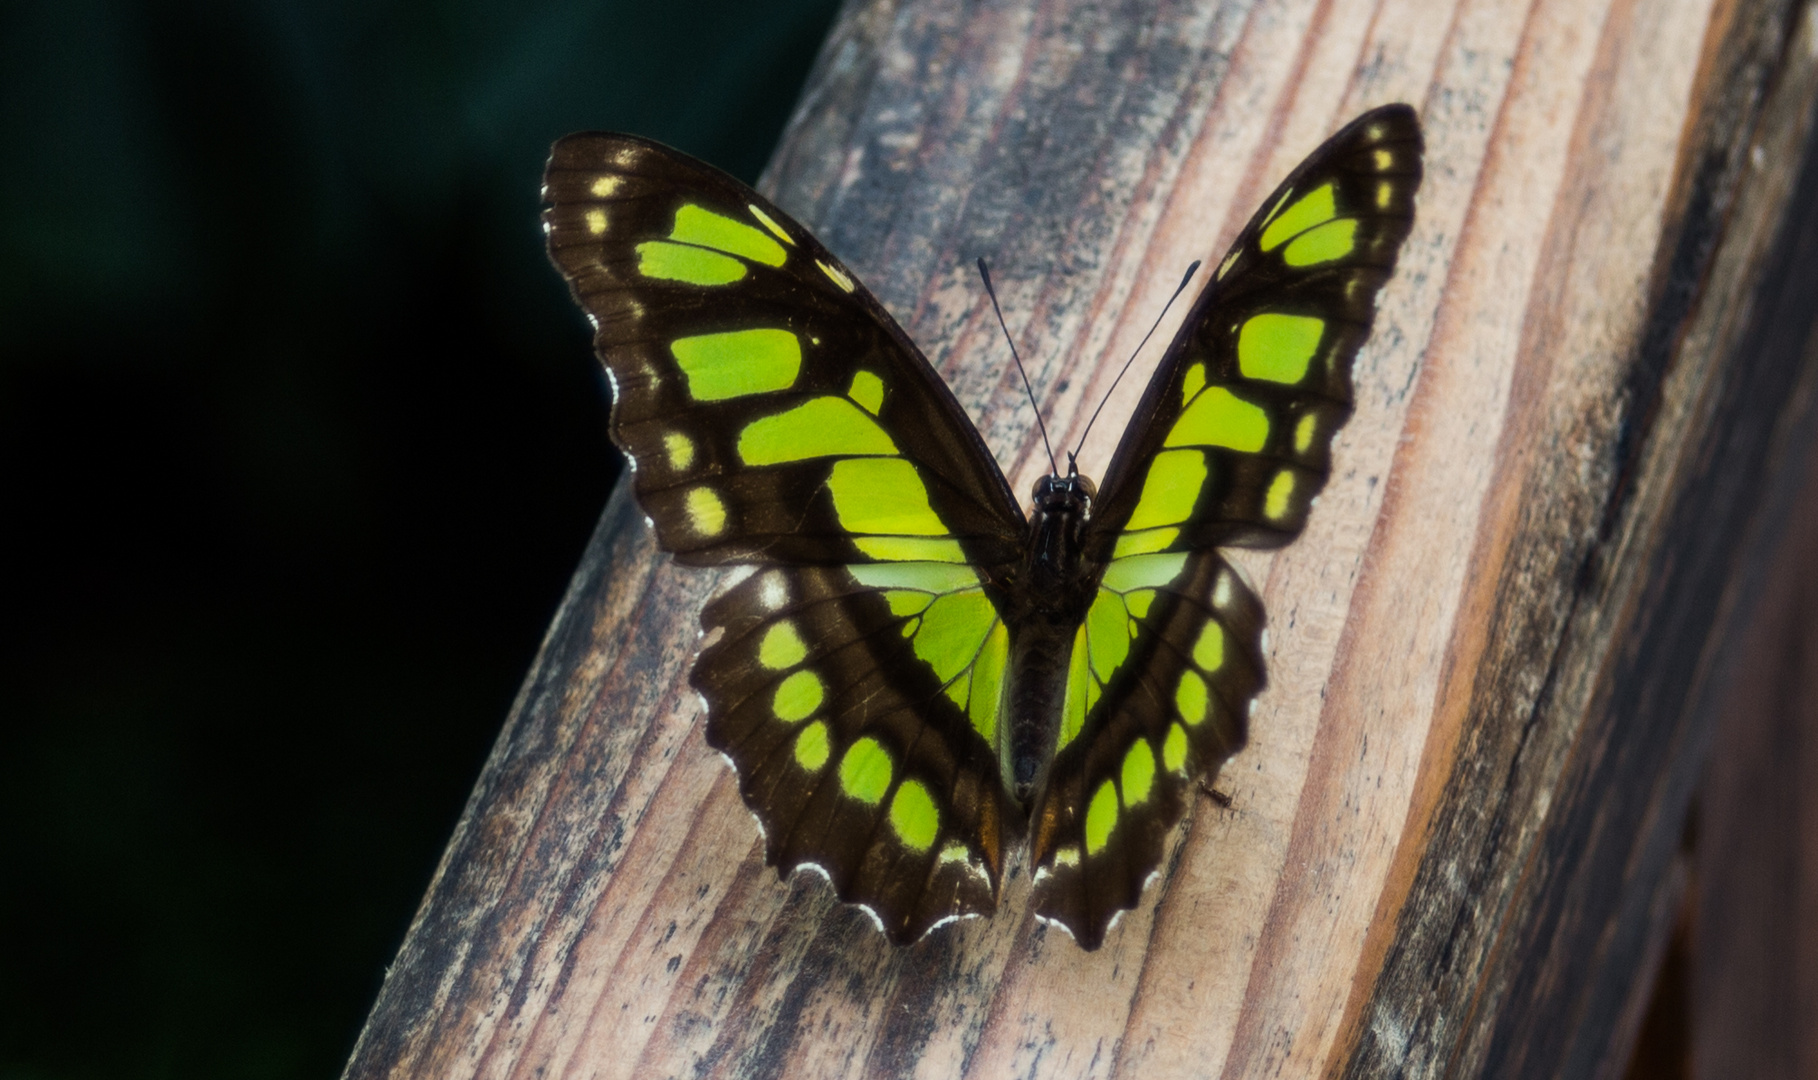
[(300, 438)]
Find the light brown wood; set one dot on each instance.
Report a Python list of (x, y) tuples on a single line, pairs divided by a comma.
[(1457, 748)]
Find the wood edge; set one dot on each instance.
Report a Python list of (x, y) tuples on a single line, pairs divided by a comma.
[(1438, 768), (1752, 223), (402, 993)]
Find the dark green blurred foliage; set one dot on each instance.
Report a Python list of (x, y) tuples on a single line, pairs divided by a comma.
[(301, 438)]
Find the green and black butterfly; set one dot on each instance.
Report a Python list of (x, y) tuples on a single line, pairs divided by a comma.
[(914, 676)]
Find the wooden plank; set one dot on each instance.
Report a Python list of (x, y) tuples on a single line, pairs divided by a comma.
[(1747, 944), (1417, 874), (1600, 761), (1753, 1009)]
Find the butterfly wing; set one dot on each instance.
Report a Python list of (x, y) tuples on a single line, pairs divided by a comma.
[(859, 704), (775, 415), (1229, 446), (757, 387)]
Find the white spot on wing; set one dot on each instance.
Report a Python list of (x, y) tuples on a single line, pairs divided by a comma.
[(774, 593)]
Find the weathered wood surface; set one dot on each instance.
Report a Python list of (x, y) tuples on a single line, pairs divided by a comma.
[(1453, 845), (1751, 944)]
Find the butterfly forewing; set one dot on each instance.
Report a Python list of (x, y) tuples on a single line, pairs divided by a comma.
[(1232, 438), (773, 411), (1229, 446), (776, 415)]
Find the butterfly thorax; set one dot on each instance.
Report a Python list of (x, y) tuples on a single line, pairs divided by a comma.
[(1049, 598)]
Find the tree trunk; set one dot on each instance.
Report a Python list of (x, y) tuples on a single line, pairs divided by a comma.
[(1498, 656)]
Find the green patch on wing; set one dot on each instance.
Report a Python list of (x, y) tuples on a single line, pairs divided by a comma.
[(1277, 347), (865, 771), (718, 367), (819, 427), (1314, 208), (701, 246), (1217, 417), (884, 504), (1113, 622), (704, 228), (680, 262), (1170, 490), (914, 816), (953, 628)]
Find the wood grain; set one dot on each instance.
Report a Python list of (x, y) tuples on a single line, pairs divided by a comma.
[(1452, 842)]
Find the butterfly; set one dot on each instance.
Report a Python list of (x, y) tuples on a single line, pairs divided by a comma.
[(913, 677)]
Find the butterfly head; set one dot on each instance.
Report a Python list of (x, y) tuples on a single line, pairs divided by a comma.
[(1070, 495)]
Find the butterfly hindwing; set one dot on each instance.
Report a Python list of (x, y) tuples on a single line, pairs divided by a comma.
[(1163, 671), (857, 704), (1229, 446)]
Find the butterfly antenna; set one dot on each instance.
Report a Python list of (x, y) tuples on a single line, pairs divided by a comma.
[(1181, 288), (985, 273)]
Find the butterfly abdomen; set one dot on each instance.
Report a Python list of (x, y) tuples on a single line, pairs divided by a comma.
[(1048, 601)]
